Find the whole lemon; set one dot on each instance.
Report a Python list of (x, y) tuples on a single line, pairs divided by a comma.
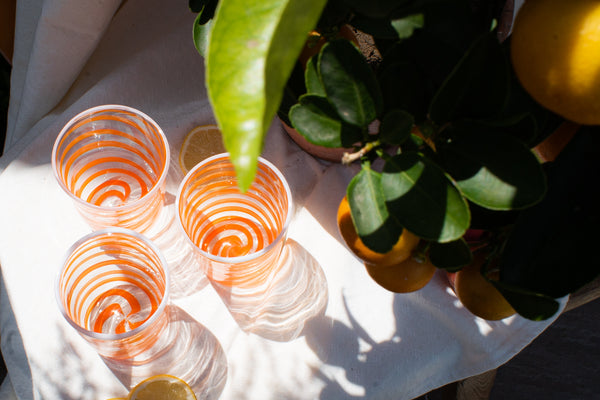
[(555, 51)]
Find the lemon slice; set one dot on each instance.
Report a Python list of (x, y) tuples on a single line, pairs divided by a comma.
[(162, 387), (200, 143)]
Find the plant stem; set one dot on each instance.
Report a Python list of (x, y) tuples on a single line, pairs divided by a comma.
[(349, 158)]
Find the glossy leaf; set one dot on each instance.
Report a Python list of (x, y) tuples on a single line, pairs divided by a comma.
[(201, 34), (451, 256), (552, 248), (394, 28), (493, 170), (313, 79), (349, 82), (528, 304), (423, 199), (478, 86), (252, 50), (396, 127), (373, 224), (316, 120)]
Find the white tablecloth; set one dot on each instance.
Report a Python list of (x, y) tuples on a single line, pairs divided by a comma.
[(364, 342)]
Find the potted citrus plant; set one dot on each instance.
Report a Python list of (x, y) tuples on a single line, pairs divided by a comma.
[(455, 137)]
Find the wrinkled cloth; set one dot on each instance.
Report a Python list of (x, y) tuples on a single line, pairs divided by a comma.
[(365, 342)]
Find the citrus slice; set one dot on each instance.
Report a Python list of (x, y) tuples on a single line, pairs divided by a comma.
[(162, 387), (200, 143)]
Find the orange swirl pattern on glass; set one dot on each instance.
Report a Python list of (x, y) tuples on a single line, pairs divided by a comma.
[(113, 161), (238, 236), (113, 289)]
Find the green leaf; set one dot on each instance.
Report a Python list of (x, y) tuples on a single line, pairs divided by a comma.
[(396, 127), (252, 50), (451, 256), (349, 82), (422, 198), (389, 28), (552, 248), (528, 304), (492, 170), (373, 224), (405, 26), (478, 86), (316, 120), (201, 35), (313, 79)]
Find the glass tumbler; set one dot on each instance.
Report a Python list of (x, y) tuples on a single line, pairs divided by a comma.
[(238, 237), (113, 288), (113, 160)]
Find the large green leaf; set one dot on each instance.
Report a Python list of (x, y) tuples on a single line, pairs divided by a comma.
[(371, 218), (451, 256), (349, 82), (423, 199), (493, 170), (252, 50), (528, 304), (316, 120), (552, 248)]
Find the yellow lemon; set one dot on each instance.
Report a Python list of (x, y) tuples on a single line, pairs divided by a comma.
[(200, 143), (162, 387), (555, 51)]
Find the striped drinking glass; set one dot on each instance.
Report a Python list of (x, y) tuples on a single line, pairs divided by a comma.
[(113, 288), (238, 237), (113, 161)]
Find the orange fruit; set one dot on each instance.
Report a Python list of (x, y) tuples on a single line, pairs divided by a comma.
[(478, 295), (410, 275), (555, 51), (200, 143), (401, 251), (162, 387)]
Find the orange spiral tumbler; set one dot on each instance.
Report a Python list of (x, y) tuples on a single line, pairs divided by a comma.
[(238, 237), (113, 161), (113, 289)]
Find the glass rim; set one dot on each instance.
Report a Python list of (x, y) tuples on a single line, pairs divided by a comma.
[(248, 257), (156, 187), (148, 322)]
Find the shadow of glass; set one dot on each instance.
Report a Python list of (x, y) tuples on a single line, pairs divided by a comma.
[(295, 293), (189, 351)]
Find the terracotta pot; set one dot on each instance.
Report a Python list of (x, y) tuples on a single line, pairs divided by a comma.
[(333, 154)]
